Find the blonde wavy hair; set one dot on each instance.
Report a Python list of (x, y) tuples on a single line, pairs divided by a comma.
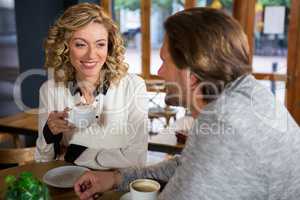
[(59, 35)]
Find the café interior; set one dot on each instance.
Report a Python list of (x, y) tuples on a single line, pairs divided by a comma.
[(272, 28)]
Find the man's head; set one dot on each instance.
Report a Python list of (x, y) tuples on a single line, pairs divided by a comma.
[(204, 50)]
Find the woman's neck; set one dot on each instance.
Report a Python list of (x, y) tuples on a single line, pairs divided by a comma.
[(87, 83), (87, 87)]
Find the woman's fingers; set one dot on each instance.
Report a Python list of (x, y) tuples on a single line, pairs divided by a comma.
[(66, 110), (58, 115), (57, 123), (60, 122), (58, 126)]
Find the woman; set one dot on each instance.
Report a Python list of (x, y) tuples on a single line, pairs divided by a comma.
[(85, 53)]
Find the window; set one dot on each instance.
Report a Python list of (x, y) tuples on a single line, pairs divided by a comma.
[(217, 4), (127, 15), (160, 10), (270, 41)]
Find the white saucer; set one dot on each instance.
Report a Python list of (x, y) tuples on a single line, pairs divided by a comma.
[(126, 196), (63, 177)]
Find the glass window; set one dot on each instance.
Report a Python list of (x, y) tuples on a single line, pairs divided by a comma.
[(270, 43), (127, 15), (217, 4), (277, 88), (160, 10)]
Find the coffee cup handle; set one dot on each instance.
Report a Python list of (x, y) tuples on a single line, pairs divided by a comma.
[(70, 116)]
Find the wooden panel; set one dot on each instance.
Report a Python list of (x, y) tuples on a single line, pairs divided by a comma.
[(21, 123), (18, 155), (293, 71), (244, 12), (272, 77), (145, 29), (21, 120), (190, 3), (106, 5), (155, 77)]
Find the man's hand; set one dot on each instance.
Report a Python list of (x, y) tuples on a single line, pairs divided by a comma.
[(93, 182)]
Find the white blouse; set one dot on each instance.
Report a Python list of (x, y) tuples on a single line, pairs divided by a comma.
[(117, 140)]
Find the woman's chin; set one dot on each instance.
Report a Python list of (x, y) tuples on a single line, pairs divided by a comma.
[(90, 73)]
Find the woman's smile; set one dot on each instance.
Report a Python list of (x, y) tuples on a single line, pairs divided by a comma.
[(89, 64)]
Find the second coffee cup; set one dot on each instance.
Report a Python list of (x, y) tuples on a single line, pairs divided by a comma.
[(144, 189)]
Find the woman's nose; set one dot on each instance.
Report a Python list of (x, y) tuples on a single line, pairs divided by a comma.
[(91, 52)]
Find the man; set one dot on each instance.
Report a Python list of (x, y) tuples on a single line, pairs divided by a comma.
[(243, 144)]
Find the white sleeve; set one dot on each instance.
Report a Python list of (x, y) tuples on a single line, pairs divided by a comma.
[(44, 152), (135, 153)]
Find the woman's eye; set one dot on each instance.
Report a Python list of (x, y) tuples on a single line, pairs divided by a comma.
[(79, 45), (101, 44)]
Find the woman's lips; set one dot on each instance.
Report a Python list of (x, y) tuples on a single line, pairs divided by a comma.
[(89, 65)]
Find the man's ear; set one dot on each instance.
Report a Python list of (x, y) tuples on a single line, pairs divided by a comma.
[(194, 81)]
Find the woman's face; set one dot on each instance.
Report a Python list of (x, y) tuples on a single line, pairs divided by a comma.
[(88, 50)]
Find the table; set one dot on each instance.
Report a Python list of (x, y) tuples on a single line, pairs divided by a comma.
[(38, 170), (26, 123), (166, 142), (23, 123)]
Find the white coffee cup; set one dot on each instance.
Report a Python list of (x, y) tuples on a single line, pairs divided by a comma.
[(82, 116), (144, 189)]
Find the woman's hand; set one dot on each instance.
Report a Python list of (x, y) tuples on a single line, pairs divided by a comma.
[(93, 182), (57, 123)]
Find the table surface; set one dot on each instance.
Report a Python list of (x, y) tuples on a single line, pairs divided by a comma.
[(23, 120), (26, 123), (38, 170)]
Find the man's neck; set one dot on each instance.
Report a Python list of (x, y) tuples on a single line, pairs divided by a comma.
[(197, 108)]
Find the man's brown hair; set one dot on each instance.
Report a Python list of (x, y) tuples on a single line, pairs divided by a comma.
[(211, 44)]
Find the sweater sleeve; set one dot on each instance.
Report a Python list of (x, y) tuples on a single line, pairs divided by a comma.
[(161, 172), (135, 152)]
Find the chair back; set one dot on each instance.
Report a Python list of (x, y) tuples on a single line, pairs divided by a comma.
[(17, 155)]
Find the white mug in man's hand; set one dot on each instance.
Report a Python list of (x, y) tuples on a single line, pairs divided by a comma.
[(82, 116)]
